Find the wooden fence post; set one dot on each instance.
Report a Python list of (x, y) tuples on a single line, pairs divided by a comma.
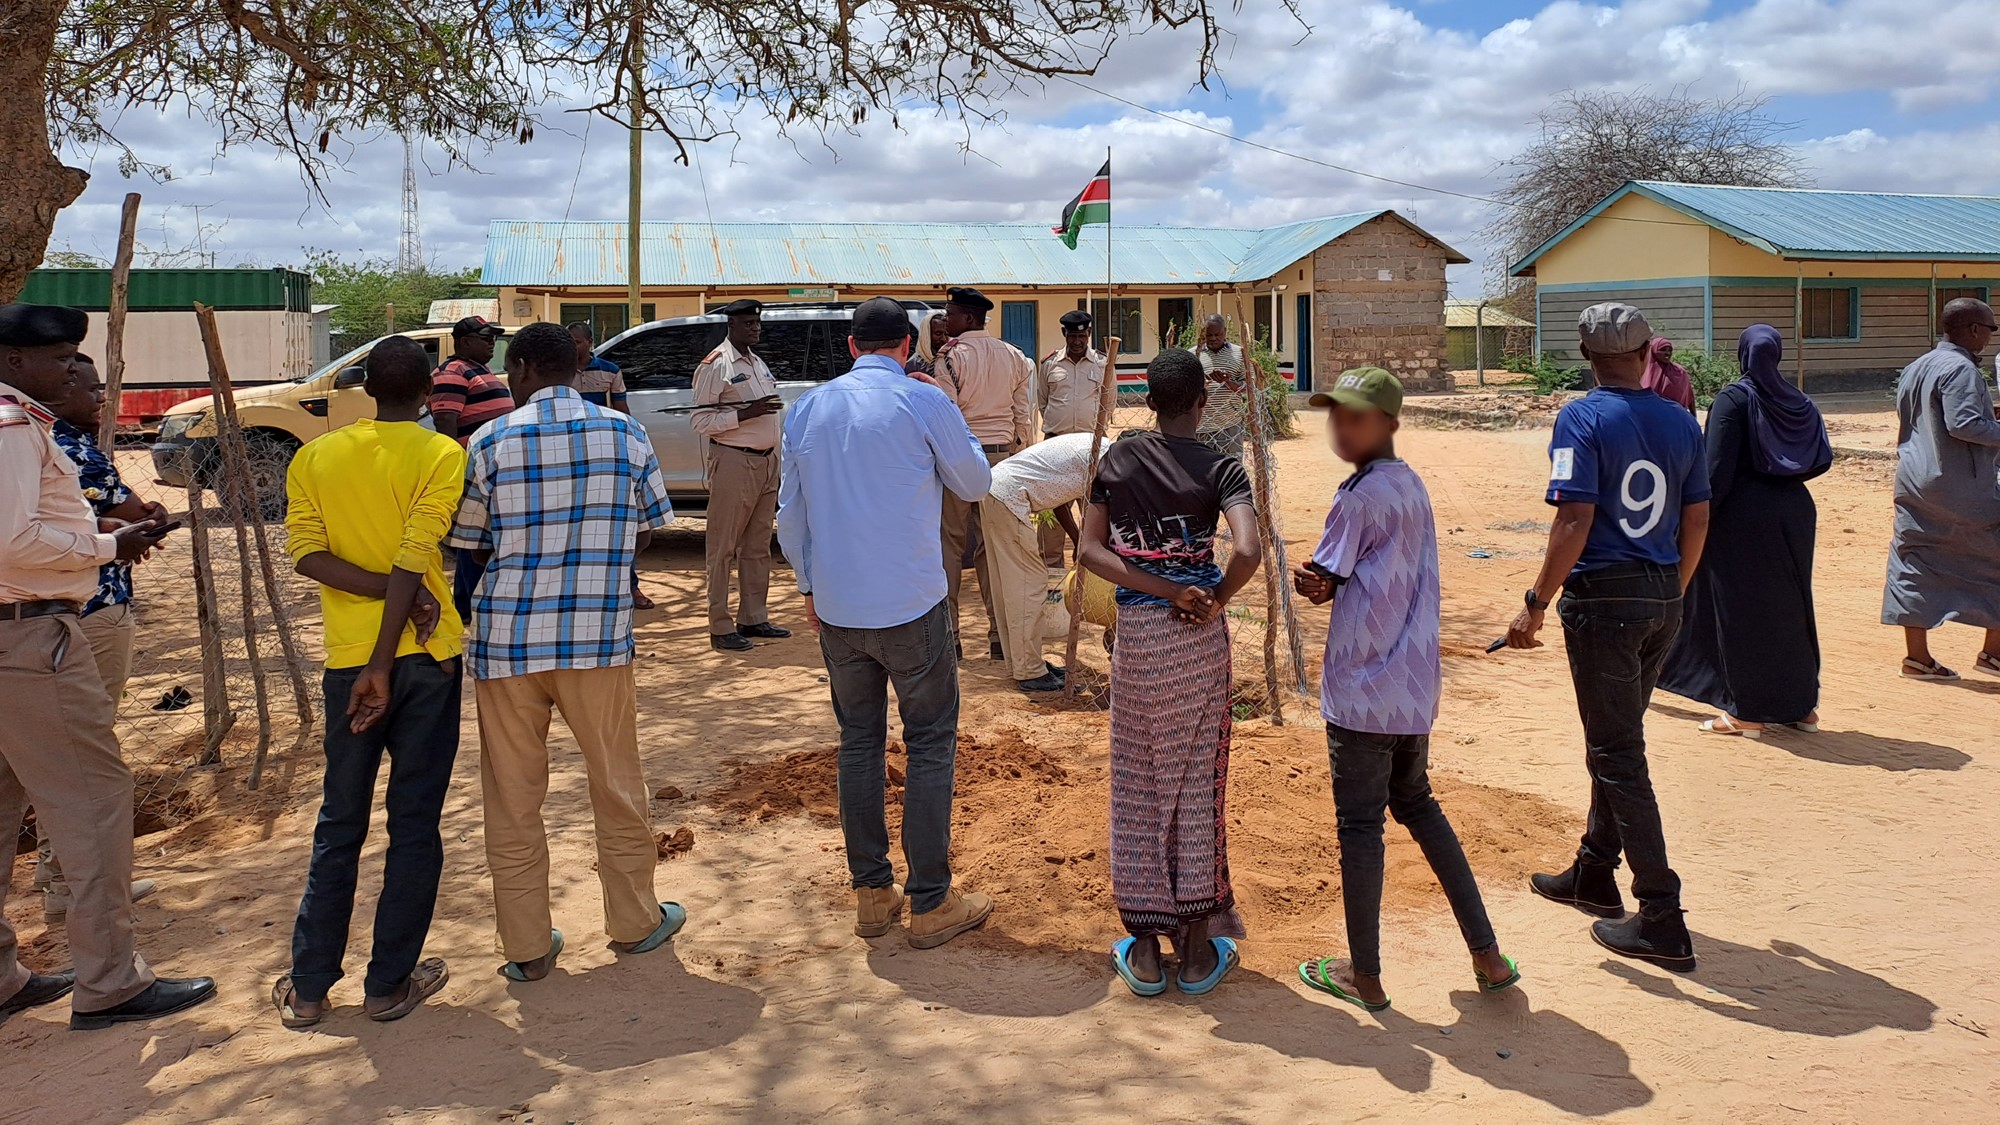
[(114, 325)]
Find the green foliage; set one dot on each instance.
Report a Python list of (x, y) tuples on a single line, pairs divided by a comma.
[(366, 289), (1547, 375), (1708, 371), (1277, 390)]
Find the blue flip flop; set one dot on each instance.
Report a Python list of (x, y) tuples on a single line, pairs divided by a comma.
[(672, 917), (1121, 960), (517, 970), (1225, 960)]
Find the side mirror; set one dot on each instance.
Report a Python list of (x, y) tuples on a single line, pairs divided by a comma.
[(350, 377)]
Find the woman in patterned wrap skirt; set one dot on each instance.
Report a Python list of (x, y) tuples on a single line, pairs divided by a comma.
[(1150, 530)]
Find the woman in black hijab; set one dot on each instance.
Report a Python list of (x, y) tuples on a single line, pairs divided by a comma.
[(1748, 643)]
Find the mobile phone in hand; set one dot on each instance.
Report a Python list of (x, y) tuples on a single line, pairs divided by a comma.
[(161, 531)]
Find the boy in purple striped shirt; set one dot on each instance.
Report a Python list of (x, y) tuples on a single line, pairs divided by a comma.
[(1378, 564)]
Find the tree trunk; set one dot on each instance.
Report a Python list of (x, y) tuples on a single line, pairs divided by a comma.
[(38, 185)]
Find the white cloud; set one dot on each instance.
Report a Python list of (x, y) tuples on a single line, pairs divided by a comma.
[(1374, 86)]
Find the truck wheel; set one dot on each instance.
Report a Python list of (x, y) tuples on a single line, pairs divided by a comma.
[(270, 455)]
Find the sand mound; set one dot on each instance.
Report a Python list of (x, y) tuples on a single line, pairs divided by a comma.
[(1032, 826)]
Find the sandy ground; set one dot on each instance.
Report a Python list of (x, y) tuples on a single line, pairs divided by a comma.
[(1840, 887)]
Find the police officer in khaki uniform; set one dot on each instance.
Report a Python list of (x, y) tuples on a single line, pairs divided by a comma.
[(58, 750), (736, 409), (1071, 384), (988, 378)]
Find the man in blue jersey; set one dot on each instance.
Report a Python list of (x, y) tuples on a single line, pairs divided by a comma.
[(1630, 487)]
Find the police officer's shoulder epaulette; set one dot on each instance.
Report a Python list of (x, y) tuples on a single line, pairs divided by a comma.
[(12, 412), (1052, 355), (713, 356)]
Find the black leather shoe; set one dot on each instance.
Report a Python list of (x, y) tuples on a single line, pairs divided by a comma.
[(163, 997), (1048, 682), (1660, 937), (764, 632), (1054, 668), (1590, 887), (730, 642), (995, 652), (40, 989)]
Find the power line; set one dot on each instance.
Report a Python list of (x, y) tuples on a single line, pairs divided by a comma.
[(580, 153)]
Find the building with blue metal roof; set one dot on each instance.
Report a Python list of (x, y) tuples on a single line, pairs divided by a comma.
[(1370, 285), (1854, 279)]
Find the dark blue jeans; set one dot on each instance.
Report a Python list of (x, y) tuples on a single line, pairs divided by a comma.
[(1618, 624), (917, 657), (1374, 773), (420, 735)]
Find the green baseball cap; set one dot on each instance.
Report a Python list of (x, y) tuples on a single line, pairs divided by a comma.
[(1364, 387)]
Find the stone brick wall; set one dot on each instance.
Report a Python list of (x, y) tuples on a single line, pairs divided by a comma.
[(1360, 320)]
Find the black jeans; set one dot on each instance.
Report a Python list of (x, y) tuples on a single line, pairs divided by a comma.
[(1377, 772), (420, 734), (917, 657), (1618, 624)]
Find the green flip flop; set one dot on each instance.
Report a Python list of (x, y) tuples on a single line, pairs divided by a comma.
[(521, 972), (1500, 985), (1314, 974)]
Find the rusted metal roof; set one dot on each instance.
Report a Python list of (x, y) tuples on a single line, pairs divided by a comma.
[(897, 255)]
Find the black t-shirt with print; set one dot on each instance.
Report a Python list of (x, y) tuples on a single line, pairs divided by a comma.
[(1163, 496)]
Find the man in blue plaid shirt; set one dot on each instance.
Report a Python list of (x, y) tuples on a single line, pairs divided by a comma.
[(560, 495)]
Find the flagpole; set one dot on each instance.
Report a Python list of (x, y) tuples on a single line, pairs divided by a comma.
[(1110, 317)]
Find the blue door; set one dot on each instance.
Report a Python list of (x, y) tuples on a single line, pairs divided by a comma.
[(1302, 344), (1017, 325)]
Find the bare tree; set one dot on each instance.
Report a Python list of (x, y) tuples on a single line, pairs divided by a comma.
[(1591, 143), (314, 77)]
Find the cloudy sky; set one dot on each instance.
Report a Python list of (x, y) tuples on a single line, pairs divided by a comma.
[(1893, 95)]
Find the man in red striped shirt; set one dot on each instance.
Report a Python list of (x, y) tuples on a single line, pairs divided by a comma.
[(464, 394)]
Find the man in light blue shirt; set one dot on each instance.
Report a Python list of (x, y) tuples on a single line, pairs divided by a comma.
[(867, 458)]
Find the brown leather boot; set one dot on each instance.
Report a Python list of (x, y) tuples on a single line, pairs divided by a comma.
[(958, 913), (876, 909)]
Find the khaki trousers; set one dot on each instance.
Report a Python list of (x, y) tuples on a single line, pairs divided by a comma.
[(1020, 587), (58, 750), (110, 633), (957, 521), (742, 508), (601, 709)]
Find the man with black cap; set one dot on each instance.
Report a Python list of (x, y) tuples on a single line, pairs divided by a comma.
[(57, 748), (869, 459), (988, 378), (1629, 482), (736, 408), (465, 395)]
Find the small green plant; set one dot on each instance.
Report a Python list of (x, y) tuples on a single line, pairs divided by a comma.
[(1545, 373), (1708, 371)]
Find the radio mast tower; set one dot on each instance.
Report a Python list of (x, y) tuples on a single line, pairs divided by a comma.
[(410, 247)]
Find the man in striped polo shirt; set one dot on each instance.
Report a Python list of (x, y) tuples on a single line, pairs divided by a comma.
[(1222, 364)]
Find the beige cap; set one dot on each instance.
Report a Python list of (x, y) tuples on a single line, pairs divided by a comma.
[(1613, 328)]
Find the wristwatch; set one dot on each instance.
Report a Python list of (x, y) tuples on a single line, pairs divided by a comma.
[(1533, 601)]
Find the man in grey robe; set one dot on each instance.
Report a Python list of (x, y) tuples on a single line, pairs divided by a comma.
[(1944, 561)]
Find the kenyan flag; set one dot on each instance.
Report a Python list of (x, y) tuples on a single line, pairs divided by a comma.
[(1091, 205)]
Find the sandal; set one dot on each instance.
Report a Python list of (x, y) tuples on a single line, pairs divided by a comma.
[(525, 971), (672, 917), (1723, 724), (1316, 978), (1498, 985), (1986, 662), (424, 982), (1121, 961), (1225, 960), (282, 995), (1807, 725), (1918, 670)]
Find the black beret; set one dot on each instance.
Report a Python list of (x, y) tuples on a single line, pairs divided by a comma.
[(743, 307), (33, 326), (1075, 320), (966, 297)]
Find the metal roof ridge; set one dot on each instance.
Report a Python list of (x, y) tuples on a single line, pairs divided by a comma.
[(1669, 184)]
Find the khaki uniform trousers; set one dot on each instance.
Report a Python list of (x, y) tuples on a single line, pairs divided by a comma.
[(601, 709), (58, 750), (957, 524), (742, 508), (110, 631), (1020, 587)]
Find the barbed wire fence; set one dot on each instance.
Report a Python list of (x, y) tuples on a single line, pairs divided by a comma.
[(220, 660)]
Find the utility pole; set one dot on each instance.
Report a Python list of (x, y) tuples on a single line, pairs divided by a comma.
[(637, 72), (410, 245)]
